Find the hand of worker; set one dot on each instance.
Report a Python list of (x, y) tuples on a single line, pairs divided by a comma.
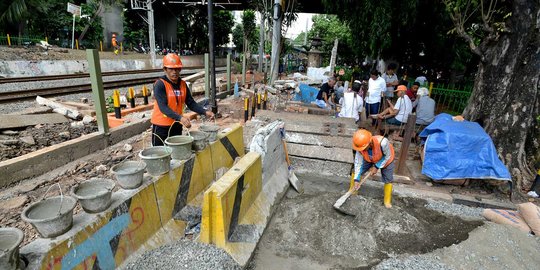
[(356, 186), (209, 114), (185, 122), (373, 170)]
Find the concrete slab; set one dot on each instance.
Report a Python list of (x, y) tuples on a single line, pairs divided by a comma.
[(319, 152), (19, 121), (315, 139)]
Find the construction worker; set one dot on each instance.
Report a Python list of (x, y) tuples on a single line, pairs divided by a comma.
[(171, 94), (374, 153), (114, 44)]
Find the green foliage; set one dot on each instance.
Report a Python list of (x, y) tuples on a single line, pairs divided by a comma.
[(95, 30), (249, 28), (238, 37), (193, 28), (328, 28)]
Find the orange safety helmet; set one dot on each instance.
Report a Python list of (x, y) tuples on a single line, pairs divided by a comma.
[(172, 60), (361, 139)]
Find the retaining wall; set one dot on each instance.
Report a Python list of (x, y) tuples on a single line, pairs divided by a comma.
[(138, 219), (59, 67)]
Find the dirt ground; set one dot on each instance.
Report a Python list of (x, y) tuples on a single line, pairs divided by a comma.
[(34, 53), (38, 137)]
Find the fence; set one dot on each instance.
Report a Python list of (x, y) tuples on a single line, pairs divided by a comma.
[(452, 101), (19, 40)]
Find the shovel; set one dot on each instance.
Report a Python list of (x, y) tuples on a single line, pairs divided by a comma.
[(295, 182), (346, 196)]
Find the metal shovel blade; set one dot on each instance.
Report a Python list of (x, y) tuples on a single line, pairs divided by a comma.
[(341, 201)]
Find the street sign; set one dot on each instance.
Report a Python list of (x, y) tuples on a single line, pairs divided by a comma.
[(74, 9)]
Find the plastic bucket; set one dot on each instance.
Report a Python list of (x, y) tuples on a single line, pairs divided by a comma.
[(10, 239), (129, 174), (211, 130), (51, 217), (157, 159), (94, 195), (180, 146), (199, 140)]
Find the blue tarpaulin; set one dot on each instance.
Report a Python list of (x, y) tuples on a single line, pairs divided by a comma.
[(457, 150), (307, 93)]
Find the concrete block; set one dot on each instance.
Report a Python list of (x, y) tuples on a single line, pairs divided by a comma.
[(18, 121), (321, 152), (316, 139)]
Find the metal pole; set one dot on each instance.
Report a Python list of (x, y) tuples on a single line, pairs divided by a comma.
[(276, 41), (213, 102), (206, 75), (73, 33), (261, 43), (98, 95), (151, 34), (228, 72)]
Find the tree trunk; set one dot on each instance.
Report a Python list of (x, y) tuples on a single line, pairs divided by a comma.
[(505, 99)]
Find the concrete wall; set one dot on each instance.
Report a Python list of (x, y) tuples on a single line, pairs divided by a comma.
[(59, 67)]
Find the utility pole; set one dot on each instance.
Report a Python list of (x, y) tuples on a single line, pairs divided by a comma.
[(276, 40), (261, 43), (213, 102), (151, 34)]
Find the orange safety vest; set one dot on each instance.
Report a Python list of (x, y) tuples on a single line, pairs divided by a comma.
[(376, 151), (114, 43), (175, 100)]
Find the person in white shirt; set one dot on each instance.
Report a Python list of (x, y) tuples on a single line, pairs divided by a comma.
[(352, 102), (376, 88), (398, 114), (391, 80)]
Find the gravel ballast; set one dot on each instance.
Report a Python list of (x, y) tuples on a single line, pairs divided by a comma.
[(454, 209), (183, 254)]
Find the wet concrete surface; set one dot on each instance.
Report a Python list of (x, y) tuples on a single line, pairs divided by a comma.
[(306, 232)]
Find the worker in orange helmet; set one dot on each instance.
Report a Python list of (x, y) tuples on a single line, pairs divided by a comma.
[(114, 43), (374, 153), (171, 94)]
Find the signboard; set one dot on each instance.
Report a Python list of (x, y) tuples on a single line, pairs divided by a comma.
[(74, 9)]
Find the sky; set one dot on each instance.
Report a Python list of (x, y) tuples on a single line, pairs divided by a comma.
[(296, 28)]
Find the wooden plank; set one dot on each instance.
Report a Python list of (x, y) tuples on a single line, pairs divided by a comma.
[(59, 108), (194, 77), (404, 151), (20, 121)]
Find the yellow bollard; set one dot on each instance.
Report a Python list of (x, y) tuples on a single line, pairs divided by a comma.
[(46, 40), (430, 87), (121, 48), (100, 45), (8, 40), (116, 104), (131, 97), (77, 44), (246, 110), (258, 101), (145, 94)]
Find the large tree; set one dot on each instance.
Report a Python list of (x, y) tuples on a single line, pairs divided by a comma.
[(505, 99)]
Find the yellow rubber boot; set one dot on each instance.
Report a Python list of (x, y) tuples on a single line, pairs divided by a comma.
[(351, 184), (388, 195)]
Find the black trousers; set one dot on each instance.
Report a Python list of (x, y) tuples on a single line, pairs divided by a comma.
[(161, 133)]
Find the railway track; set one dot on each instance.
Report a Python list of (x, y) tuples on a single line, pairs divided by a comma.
[(13, 96), (82, 75)]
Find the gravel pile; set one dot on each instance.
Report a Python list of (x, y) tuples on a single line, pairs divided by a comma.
[(183, 254), (454, 209), (416, 262)]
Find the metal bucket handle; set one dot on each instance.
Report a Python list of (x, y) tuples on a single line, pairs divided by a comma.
[(169, 132), (61, 196)]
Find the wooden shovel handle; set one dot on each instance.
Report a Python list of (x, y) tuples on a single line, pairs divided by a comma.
[(286, 152)]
